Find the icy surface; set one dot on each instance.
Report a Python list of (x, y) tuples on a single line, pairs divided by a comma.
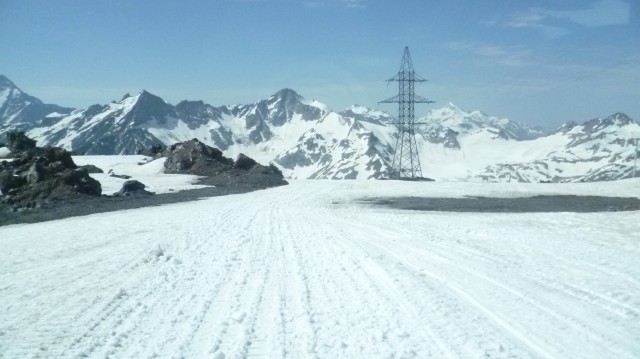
[(305, 271)]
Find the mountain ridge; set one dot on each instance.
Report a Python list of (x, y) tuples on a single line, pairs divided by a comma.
[(308, 140)]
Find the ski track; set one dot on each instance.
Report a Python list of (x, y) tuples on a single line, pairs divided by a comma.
[(303, 272)]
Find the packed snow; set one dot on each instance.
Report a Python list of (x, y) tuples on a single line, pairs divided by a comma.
[(308, 270)]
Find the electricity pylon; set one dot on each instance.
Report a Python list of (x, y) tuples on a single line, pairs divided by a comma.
[(406, 162)]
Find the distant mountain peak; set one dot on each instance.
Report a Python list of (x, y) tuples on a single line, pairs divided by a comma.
[(19, 110), (453, 106), (146, 97), (287, 93), (620, 118), (5, 82), (358, 109)]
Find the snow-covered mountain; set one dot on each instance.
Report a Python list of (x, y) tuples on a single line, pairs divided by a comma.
[(308, 140), (19, 111), (599, 149)]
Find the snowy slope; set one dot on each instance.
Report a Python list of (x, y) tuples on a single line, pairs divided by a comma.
[(597, 150), (306, 271)]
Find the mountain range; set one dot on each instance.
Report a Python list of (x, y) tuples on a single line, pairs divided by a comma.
[(307, 140)]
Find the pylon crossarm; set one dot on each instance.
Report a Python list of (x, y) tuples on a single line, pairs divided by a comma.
[(394, 99), (420, 99), (398, 99), (406, 77)]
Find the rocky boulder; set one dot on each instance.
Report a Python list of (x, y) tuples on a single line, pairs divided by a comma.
[(133, 188), (194, 157), (18, 142), (244, 162), (41, 175), (154, 151), (93, 169)]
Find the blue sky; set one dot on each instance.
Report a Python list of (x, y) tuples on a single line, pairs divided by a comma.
[(542, 62)]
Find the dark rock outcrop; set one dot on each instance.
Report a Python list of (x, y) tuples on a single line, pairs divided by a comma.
[(18, 142), (133, 188), (154, 151), (244, 162), (93, 169), (38, 176), (116, 175), (194, 157)]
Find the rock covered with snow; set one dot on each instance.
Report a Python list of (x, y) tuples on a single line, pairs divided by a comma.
[(4, 151)]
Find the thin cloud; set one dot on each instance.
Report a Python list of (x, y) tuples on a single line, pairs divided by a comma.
[(554, 23), (602, 13), (507, 56)]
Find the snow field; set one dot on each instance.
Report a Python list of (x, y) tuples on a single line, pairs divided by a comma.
[(308, 271), (141, 168)]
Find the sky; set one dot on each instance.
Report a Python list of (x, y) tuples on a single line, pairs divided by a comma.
[(542, 62)]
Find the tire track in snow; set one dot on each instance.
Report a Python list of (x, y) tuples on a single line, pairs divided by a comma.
[(549, 295), (284, 273), (346, 287), (380, 284), (449, 306), (180, 296), (524, 300), (267, 331)]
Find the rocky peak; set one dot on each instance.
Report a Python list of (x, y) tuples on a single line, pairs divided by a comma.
[(286, 94), (147, 107), (19, 111), (615, 120), (620, 119), (5, 83), (566, 127)]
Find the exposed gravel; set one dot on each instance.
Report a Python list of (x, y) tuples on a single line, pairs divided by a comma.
[(84, 205), (559, 203), (80, 205)]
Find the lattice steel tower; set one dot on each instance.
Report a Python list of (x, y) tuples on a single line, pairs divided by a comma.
[(406, 162)]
